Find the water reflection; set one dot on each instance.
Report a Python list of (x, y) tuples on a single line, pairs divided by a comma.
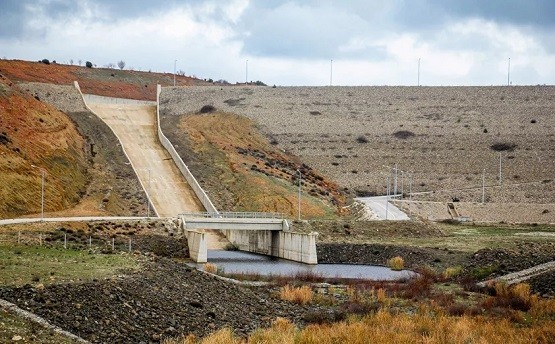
[(243, 262)]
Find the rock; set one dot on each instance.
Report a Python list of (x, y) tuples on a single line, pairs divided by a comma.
[(17, 338)]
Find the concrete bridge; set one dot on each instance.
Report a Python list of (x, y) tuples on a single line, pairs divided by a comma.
[(263, 233)]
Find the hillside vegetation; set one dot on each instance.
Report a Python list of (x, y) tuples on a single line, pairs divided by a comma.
[(36, 134), (100, 81), (243, 171)]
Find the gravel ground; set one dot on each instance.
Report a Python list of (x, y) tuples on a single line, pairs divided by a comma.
[(166, 300), (442, 134)]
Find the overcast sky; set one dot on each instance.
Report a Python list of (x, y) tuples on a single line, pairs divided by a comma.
[(371, 42)]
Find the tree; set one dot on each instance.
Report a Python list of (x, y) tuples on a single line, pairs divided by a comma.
[(80, 61), (71, 62), (88, 64), (121, 64)]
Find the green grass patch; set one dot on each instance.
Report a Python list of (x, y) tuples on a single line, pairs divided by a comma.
[(20, 265), (12, 326)]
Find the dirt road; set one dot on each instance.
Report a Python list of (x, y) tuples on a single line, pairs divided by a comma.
[(135, 127)]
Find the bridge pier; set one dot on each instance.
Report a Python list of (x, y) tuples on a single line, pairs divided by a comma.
[(268, 236)]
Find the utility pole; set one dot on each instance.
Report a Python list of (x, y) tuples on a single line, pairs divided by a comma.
[(42, 191), (147, 197), (395, 182), (509, 73), (418, 83), (246, 72), (174, 71), (483, 186), (410, 186), (331, 71), (500, 175), (299, 208), (387, 200)]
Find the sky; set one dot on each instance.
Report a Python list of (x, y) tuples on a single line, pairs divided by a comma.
[(310, 42)]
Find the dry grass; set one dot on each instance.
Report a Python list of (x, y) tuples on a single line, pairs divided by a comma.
[(396, 263), (451, 272), (383, 327), (301, 295), (211, 268)]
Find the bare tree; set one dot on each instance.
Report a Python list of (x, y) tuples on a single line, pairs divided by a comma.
[(80, 62), (121, 64), (71, 62)]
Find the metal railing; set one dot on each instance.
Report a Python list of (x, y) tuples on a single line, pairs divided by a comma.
[(234, 215)]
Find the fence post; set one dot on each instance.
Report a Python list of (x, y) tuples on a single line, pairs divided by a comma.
[(19, 237), (65, 240), (112, 244), (129, 245), (40, 239), (90, 242)]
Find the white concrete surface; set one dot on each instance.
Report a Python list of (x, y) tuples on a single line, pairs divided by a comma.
[(382, 209), (135, 127), (198, 249)]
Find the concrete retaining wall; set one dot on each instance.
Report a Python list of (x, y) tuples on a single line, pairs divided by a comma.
[(202, 196), (110, 100), (198, 250)]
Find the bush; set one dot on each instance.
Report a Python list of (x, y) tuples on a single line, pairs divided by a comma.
[(403, 134), (45, 61), (501, 146), (88, 64), (396, 263), (207, 109), (362, 139), (211, 268), (301, 295)]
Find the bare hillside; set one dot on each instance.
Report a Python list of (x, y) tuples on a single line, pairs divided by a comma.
[(446, 136)]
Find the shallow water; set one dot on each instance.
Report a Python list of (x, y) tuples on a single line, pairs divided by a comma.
[(244, 262)]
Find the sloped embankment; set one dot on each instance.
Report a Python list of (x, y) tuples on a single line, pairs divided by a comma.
[(114, 188), (33, 133), (243, 171)]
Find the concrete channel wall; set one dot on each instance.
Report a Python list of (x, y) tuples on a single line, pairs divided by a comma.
[(202, 196), (198, 249)]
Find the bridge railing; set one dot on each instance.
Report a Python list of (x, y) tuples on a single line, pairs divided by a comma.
[(234, 215)]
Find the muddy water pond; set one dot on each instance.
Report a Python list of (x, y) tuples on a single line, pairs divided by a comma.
[(238, 262)]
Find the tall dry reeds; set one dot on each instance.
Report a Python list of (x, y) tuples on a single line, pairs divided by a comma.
[(301, 295)]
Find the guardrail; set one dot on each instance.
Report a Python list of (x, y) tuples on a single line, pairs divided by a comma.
[(202, 196), (234, 215)]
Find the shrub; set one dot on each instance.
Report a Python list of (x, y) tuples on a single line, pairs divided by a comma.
[(403, 134), (88, 64), (45, 61), (211, 268), (452, 272), (362, 139), (503, 146), (396, 263), (207, 109), (301, 295)]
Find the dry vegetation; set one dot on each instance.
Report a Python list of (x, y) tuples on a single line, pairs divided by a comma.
[(510, 315), (445, 135), (243, 171), (301, 295), (33, 133)]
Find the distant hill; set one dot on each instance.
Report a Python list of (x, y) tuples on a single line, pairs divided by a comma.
[(101, 81)]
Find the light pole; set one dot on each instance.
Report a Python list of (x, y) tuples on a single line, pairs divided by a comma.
[(387, 199), (147, 197), (42, 192), (500, 176), (509, 73), (483, 186), (300, 181), (331, 71), (174, 71), (418, 82)]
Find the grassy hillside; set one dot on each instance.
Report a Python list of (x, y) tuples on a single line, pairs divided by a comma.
[(100, 81), (34, 133)]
